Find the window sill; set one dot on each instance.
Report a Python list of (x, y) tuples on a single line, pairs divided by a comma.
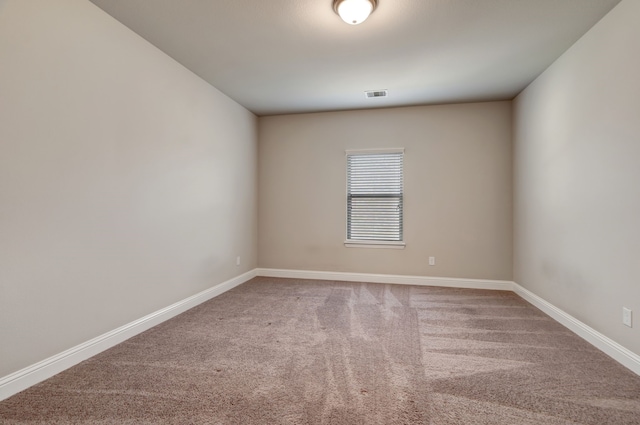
[(374, 244)]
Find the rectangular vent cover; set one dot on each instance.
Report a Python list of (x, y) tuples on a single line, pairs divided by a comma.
[(376, 93)]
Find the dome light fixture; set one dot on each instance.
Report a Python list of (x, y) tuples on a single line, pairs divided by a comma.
[(354, 12)]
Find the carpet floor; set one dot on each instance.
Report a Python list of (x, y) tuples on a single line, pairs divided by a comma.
[(284, 351)]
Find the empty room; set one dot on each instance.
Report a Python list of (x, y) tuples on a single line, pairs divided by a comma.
[(320, 212)]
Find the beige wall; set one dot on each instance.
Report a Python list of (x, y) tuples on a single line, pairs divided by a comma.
[(126, 182), (457, 190), (577, 178)]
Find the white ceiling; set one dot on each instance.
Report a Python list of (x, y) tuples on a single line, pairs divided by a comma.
[(291, 56)]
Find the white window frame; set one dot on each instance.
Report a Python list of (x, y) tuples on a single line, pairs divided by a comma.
[(355, 243)]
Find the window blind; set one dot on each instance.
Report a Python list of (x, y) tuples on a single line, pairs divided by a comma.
[(374, 196)]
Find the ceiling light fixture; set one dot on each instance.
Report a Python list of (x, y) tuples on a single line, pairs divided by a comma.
[(354, 12)]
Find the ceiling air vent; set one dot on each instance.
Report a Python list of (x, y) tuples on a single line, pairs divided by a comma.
[(376, 93)]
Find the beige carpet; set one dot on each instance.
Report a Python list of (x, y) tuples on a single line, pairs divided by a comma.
[(276, 351)]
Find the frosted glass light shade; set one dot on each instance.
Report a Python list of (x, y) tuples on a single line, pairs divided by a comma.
[(354, 12)]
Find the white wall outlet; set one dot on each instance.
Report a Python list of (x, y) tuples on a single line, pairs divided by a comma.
[(432, 261), (626, 317), (238, 260)]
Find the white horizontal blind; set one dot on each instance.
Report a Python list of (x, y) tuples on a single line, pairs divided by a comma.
[(374, 196)]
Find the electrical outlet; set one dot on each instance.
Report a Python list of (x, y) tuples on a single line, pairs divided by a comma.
[(626, 317), (432, 261), (238, 260)]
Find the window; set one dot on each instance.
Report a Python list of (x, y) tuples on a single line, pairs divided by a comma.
[(375, 197)]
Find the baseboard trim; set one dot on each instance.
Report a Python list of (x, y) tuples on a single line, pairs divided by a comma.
[(31, 375), (389, 279), (616, 351)]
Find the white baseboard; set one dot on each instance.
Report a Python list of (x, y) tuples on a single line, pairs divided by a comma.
[(622, 355), (616, 351), (24, 378), (389, 279)]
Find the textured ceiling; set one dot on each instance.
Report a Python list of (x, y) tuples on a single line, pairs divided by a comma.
[(290, 56)]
